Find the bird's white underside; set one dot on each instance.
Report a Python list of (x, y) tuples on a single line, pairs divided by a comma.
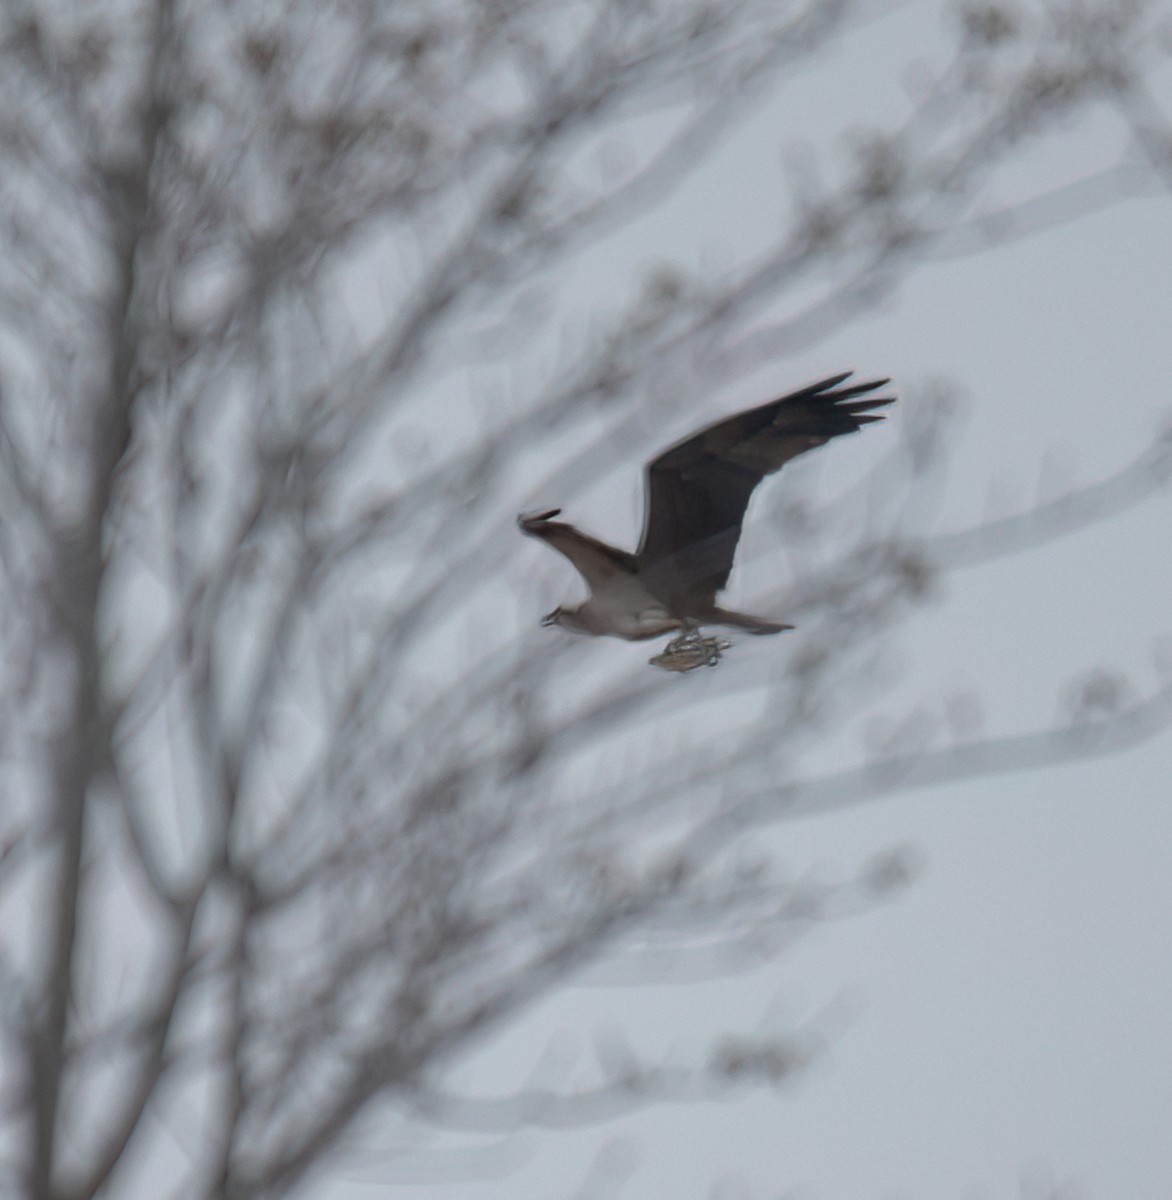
[(623, 607)]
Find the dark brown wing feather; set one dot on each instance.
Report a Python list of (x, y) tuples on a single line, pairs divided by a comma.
[(698, 490), (596, 561)]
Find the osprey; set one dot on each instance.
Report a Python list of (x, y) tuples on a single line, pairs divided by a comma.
[(696, 495)]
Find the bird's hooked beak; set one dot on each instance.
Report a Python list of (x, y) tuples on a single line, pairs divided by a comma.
[(551, 618)]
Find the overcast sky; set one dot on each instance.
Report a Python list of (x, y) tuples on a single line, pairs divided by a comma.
[(1005, 1024)]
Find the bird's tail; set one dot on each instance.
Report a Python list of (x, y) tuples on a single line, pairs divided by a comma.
[(736, 620)]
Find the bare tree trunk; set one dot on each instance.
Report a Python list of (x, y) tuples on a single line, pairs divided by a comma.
[(299, 809)]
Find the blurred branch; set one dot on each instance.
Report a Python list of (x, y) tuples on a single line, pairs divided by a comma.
[(150, 1065), (736, 1062), (1044, 523), (265, 704), (1129, 727)]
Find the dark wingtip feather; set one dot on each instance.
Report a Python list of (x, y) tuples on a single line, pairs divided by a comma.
[(824, 385), (528, 520), (842, 409), (829, 391), (862, 406), (859, 389)]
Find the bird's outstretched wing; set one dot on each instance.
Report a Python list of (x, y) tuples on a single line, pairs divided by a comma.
[(596, 561), (697, 491)]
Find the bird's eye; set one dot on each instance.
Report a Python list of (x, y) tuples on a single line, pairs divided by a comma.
[(551, 618)]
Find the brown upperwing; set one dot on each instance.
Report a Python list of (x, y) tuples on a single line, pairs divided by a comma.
[(595, 561), (697, 491)]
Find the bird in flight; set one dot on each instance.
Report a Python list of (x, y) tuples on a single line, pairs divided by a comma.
[(696, 495)]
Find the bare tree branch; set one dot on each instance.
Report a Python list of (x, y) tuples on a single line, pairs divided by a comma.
[(291, 325)]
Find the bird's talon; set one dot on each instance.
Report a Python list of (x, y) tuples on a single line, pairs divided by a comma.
[(689, 651)]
